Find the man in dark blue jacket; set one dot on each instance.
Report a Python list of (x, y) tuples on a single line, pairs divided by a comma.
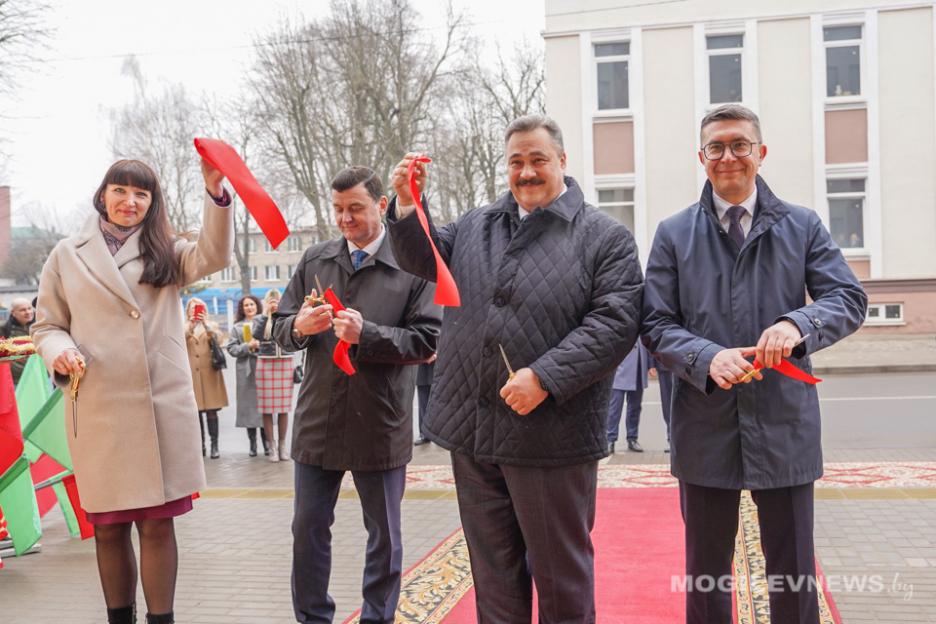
[(726, 280)]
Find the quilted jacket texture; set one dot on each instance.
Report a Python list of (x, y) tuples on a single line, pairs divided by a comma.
[(561, 290)]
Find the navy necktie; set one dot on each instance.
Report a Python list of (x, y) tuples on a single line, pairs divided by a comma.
[(357, 257), (734, 227)]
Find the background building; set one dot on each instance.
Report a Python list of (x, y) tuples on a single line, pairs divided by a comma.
[(846, 93)]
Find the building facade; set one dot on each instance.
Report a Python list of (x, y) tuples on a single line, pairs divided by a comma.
[(846, 94)]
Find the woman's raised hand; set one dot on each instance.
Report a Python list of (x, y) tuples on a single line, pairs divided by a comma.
[(213, 178)]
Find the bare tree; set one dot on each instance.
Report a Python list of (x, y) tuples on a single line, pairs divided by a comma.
[(356, 87), (469, 144), (31, 245), (157, 127), (22, 34)]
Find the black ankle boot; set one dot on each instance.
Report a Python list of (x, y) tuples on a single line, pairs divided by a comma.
[(201, 424), (266, 443), (213, 432), (252, 436), (161, 618), (122, 615)]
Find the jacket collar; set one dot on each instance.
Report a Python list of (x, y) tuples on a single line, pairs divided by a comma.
[(566, 206), (337, 248), (770, 209), (91, 248)]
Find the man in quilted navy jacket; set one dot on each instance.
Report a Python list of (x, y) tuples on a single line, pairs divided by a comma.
[(557, 284)]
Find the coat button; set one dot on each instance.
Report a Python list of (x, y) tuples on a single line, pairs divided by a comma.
[(134, 314), (483, 402), (690, 358), (487, 351), (499, 301), (817, 322)]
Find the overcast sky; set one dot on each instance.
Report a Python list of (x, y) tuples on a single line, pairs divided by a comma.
[(56, 128)]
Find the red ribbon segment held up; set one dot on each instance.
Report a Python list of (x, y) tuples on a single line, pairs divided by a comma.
[(446, 290), (340, 355), (788, 369), (222, 156)]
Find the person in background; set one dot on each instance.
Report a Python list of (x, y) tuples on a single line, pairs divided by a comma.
[(210, 391), (109, 311), (665, 377), (246, 355), (423, 386), (274, 377), (630, 381), (22, 316)]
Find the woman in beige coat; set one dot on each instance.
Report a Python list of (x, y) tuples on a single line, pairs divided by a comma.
[(210, 392), (109, 313)]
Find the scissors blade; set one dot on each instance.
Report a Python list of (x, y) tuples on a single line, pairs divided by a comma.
[(510, 370), (318, 285)]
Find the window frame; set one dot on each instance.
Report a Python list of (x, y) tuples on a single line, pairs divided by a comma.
[(597, 60), (271, 268), (709, 53), (882, 320), (862, 251), (614, 185), (862, 62), (228, 271)]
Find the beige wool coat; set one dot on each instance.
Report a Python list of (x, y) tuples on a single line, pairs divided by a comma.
[(137, 441), (208, 383)]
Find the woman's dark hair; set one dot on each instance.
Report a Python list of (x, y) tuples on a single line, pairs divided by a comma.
[(239, 315), (160, 265)]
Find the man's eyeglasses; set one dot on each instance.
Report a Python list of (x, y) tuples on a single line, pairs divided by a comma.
[(740, 149)]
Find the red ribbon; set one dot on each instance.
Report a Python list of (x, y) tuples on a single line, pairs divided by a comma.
[(788, 369), (446, 291), (85, 528), (340, 355), (222, 156)]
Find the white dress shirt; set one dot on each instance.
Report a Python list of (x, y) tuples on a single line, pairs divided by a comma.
[(523, 213), (749, 205)]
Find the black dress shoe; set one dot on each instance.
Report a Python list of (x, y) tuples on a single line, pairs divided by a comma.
[(611, 448), (420, 441), (634, 445)]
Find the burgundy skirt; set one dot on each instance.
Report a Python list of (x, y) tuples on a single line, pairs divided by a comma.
[(157, 512)]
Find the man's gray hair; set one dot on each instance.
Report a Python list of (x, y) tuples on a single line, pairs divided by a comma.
[(529, 123), (729, 112)]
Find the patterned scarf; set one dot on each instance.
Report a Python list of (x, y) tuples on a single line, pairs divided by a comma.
[(116, 235)]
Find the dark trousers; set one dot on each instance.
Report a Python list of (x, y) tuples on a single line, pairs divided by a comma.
[(528, 524), (666, 396), (423, 393), (381, 493), (786, 527), (616, 406)]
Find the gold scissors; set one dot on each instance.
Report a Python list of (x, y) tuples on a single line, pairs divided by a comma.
[(510, 370), (750, 374), (75, 380), (320, 300)]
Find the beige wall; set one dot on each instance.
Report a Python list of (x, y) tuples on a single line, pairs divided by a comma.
[(670, 127), (614, 147), (908, 150), (785, 92), (565, 82)]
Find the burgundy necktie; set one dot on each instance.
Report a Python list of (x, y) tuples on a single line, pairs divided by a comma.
[(734, 227)]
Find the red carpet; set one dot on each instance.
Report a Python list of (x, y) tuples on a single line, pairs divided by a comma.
[(638, 539)]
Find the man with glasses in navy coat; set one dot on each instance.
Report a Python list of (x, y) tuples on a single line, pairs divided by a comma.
[(727, 280)]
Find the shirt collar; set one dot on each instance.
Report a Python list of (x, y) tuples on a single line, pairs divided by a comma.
[(371, 248), (722, 205), (523, 213)]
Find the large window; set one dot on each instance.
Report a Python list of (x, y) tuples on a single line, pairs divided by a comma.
[(724, 59), (846, 211), (843, 60), (619, 203), (254, 273), (294, 243), (272, 272), (612, 60), (228, 274)]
